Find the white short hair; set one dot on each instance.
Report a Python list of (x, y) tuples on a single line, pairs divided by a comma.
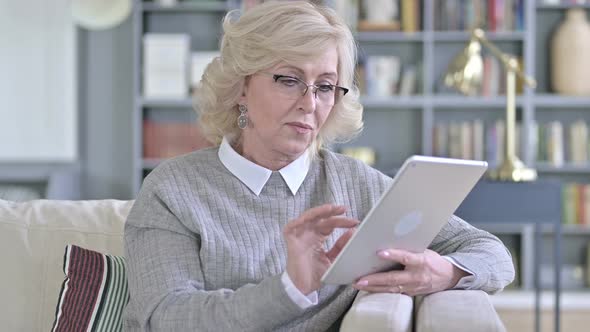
[(267, 34)]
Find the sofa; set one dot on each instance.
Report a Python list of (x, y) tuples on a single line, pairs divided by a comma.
[(33, 236)]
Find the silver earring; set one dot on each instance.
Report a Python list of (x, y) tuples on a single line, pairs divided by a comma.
[(243, 118)]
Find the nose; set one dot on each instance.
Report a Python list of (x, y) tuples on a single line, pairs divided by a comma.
[(308, 101)]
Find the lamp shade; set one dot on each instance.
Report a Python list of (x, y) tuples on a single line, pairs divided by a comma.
[(100, 14), (465, 72)]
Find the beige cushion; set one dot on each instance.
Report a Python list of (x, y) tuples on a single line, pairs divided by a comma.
[(379, 312), (457, 311), (33, 236)]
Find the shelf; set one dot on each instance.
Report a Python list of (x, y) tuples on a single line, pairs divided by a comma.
[(459, 101), (567, 229), (396, 102), (562, 6), (368, 101), (59, 180), (184, 6), (496, 202), (182, 103), (546, 167), (463, 36), (455, 101), (34, 171), (545, 100), (388, 36), (554, 100), (518, 229), (501, 228), (575, 229)]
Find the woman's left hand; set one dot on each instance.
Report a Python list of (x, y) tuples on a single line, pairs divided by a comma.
[(424, 273)]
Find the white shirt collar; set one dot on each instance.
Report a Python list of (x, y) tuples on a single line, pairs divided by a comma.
[(255, 176)]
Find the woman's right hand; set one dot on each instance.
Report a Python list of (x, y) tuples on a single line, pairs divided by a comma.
[(307, 261)]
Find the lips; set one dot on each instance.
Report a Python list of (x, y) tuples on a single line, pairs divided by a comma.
[(301, 125)]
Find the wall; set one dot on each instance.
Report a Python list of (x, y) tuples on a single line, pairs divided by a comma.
[(37, 65)]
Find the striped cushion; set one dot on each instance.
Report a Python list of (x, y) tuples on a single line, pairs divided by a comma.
[(93, 293)]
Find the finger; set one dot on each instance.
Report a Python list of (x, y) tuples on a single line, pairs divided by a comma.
[(340, 243), (326, 226), (411, 290), (322, 212), (403, 257), (385, 289), (386, 279), (314, 214)]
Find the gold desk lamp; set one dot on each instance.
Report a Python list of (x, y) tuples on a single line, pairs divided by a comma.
[(465, 74)]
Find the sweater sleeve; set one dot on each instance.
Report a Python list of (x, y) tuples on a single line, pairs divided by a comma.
[(478, 251), (166, 283)]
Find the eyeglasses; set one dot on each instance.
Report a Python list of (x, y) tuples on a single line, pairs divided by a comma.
[(294, 88)]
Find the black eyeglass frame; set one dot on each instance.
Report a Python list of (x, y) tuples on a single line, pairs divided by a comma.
[(344, 90)]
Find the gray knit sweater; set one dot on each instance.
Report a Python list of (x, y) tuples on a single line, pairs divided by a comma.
[(206, 254)]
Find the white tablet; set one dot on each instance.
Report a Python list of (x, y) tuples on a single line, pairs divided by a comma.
[(424, 194)]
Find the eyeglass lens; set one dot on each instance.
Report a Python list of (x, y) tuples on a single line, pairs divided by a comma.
[(294, 88)]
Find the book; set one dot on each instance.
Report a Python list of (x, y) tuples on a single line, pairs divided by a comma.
[(162, 140), (580, 204), (490, 15), (349, 11), (578, 142), (466, 140), (440, 140), (408, 81), (463, 139), (499, 141), (455, 140), (543, 154), (365, 25), (533, 140), (165, 65), (555, 143), (379, 15), (478, 139), (410, 15), (586, 202), (569, 202)]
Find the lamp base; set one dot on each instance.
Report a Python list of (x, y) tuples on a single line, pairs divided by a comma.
[(513, 170)]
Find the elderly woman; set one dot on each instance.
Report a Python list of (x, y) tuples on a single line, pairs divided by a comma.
[(237, 237)]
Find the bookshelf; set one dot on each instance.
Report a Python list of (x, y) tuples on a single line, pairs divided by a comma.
[(399, 126), (201, 21)]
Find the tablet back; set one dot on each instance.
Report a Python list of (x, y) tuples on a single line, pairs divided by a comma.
[(424, 194)]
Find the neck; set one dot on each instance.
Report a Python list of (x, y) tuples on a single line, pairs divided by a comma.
[(269, 159)]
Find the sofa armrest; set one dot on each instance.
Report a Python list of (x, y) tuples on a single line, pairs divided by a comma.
[(379, 312), (457, 310)]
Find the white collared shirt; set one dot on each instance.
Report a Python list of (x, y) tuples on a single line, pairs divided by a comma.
[(255, 177)]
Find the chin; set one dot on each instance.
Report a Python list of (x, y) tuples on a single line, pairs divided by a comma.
[(295, 147)]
